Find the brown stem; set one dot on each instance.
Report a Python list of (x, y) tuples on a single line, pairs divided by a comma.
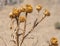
[(32, 29), (17, 30), (21, 28), (24, 31), (40, 21)]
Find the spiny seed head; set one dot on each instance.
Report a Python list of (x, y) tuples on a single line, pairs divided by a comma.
[(54, 40), (46, 13), (22, 18), (38, 7), (16, 12), (29, 8)]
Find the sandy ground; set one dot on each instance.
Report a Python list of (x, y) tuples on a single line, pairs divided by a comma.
[(42, 33)]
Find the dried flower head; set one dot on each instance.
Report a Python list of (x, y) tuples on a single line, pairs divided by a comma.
[(38, 7), (29, 8), (16, 12), (22, 9), (46, 13), (22, 18), (54, 40)]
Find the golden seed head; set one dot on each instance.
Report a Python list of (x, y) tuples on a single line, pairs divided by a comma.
[(22, 18), (38, 7), (46, 13), (22, 9), (29, 8), (54, 40), (16, 11)]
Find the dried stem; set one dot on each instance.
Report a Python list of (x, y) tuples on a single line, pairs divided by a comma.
[(40, 21), (21, 28), (35, 25), (24, 31), (17, 30)]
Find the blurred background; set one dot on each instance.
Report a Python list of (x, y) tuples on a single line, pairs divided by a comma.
[(9, 2), (49, 27)]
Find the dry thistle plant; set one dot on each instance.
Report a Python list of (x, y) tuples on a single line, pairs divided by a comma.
[(15, 14)]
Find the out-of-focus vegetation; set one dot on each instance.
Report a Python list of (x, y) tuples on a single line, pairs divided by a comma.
[(9, 2), (57, 25)]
